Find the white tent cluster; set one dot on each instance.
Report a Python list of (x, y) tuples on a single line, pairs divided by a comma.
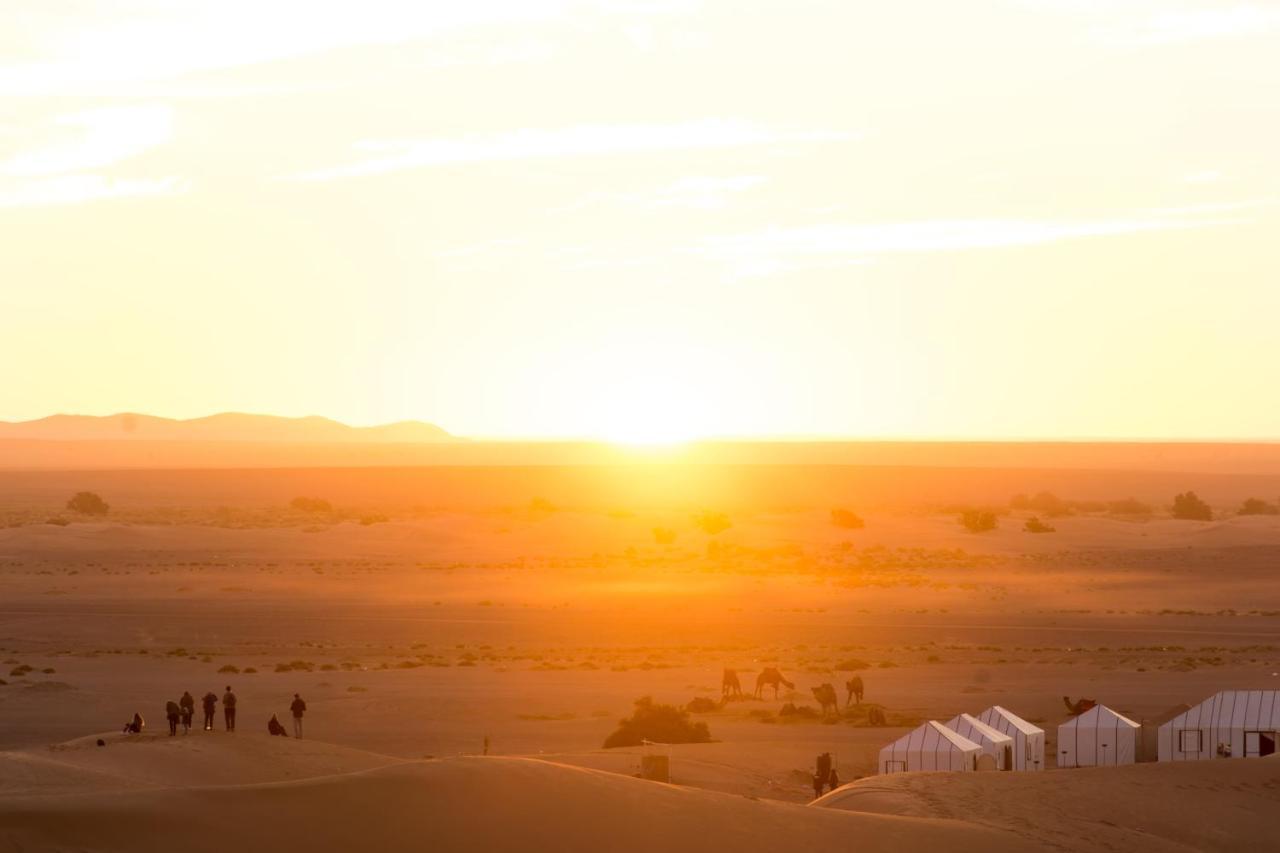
[(996, 739)]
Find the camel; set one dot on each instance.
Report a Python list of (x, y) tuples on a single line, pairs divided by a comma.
[(854, 686), (771, 675), (730, 686), (1078, 707), (827, 698)]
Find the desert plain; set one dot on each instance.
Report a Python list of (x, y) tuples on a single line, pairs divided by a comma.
[(467, 636)]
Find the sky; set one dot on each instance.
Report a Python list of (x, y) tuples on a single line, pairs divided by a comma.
[(647, 221)]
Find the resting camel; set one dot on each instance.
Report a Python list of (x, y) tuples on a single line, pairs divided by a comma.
[(730, 685), (1078, 707), (827, 698), (771, 675), (854, 686)]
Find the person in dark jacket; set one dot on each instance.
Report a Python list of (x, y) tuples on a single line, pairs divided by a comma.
[(209, 701), (173, 713), (275, 727), (188, 705), (298, 708), (229, 709), (136, 725)]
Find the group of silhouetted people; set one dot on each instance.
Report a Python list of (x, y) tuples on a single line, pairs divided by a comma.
[(183, 712), (826, 775)]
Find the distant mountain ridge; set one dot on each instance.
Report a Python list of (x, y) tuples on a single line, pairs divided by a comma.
[(225, 427)]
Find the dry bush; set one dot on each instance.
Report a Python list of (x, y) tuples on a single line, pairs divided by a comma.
[(1035, 525), (847, 519), (702, 705), (657, 723), (712, 523), (664, 535), (88, 503), (978, 520)]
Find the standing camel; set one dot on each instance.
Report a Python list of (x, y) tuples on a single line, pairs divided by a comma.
[(827, 698), (730, 686), (854, 686), (770, 675)]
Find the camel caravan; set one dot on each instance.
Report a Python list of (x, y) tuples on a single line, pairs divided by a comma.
[(827, 697)]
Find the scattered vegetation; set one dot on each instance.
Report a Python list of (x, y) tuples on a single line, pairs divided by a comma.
[(1189, 507), (658, 724), (847, 519), (1050, 505), (312, 505), (978, 520), (664, 536), (1035, 525), (88, 503), (702, 705), (712, 523), (1257, 506)]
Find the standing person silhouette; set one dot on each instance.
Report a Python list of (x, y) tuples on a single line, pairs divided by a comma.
[(188, 705), (229, 709), (173, 713), (210, 700), (298, 708)]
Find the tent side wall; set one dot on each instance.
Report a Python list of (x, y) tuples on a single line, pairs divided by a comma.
[(1028, 747), (1222, 720)]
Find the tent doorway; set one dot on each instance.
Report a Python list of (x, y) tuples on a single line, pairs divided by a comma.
[(1257, 744)]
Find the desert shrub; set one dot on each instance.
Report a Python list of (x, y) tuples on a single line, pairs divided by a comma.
[(375, 518), (1129, 506), (847, 519), (712, 523), (1042, 502), (664, 535), (852, 665), (1189, 507), (1257, 506), (230, 667), (305, 504), (702, 705), (658, 724), (798, 711), (88, 503), (978, 520), (249, 670), (1035, 525), (48, 670)]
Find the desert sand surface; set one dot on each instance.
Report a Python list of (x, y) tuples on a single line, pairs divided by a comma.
[(527, 617)]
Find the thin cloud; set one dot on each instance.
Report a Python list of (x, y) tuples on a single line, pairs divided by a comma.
[(78, 189), (94, 138), (695, 192), (774, 249), (577, 141)]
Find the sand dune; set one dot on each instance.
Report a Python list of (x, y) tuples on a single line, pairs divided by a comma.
[(457, 804), (1214, 805), (158, 793)]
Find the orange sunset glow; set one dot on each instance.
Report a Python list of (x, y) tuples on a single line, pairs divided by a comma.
[(639, 425)]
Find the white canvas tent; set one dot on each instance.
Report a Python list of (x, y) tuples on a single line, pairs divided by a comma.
[(1229, 724), (1097, 737), (995, 744), (932, 746), (1028, 740)]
